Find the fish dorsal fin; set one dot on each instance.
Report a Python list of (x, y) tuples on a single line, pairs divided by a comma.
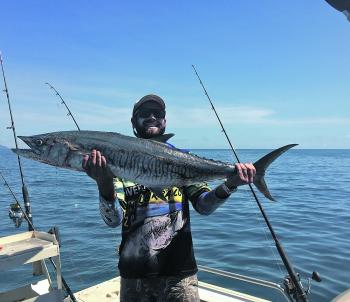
[(162, 138)]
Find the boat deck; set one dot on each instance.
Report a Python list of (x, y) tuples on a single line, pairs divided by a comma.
[(34, 247), (109, 291)]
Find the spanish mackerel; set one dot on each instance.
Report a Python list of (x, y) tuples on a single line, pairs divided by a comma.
[(153, 164)]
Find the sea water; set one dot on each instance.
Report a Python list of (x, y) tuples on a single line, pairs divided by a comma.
[(311, 219)]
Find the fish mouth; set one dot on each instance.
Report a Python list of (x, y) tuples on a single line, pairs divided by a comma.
[(29, 142), (25, 139), (28, 153)]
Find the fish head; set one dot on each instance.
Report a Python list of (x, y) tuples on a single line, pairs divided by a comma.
[(51, 149)]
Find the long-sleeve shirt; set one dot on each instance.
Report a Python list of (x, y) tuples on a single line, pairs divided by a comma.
[(156, 232)]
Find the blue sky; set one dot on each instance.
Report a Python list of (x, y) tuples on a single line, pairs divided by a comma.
[(277, 71)]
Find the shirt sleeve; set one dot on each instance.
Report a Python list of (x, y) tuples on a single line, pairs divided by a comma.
[(112, 212), (203, 199), (194, 191)]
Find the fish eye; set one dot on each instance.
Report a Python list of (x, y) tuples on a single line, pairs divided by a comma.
[(39, 142)]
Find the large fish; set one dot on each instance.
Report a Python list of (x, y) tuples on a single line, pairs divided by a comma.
[(151, 163)]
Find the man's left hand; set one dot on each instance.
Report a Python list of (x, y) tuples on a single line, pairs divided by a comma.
[(244, 174)]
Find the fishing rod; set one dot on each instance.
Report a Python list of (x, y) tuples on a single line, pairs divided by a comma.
[(76, 124), (69, 291), (16, 200), (65, 104), (25, 193), (27, 213), (300, 293)]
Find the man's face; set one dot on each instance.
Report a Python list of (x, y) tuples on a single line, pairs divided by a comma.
[(150, 120)]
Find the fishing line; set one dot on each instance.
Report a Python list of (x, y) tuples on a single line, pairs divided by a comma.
[(263, 227), (254, 215), (64, 103), (301, 294), (267, 235)]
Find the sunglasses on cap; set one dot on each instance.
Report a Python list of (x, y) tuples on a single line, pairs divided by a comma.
[(157, 113)]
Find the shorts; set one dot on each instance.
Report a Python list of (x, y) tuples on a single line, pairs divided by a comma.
[(160, 289)]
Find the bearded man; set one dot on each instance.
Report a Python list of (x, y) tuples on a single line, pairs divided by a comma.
[(156, 258)]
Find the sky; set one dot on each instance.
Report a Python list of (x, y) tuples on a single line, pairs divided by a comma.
[(277, 71)]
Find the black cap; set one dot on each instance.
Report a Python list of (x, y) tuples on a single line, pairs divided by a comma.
[(148, 98)]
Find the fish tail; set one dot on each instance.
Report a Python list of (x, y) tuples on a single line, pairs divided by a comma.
[(262, 164)]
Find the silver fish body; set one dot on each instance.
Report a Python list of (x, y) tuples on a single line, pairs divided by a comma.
[(150, 163)]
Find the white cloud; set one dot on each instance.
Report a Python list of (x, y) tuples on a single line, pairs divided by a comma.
[(330, 121), (90, 115), (115, 116), (198, 117)]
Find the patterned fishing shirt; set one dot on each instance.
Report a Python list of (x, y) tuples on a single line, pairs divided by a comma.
[(156, 232)]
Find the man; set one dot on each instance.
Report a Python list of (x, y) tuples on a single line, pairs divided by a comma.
[(156, 259)]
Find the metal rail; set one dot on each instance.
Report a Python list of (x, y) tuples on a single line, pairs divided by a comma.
[(247, 279)]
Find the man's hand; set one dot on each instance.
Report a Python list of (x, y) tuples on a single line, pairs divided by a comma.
[(95, 165), (243, 175)]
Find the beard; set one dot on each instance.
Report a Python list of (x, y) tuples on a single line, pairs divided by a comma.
[(149, 129)]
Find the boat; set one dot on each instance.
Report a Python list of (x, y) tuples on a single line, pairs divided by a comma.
[(38, 248)]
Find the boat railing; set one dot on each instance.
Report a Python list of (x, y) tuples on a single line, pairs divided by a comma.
[(263, 283)]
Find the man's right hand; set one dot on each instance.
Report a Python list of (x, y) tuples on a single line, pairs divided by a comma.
[(95, 165)]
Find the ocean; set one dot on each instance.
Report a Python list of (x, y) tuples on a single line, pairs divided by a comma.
[(311, 218)]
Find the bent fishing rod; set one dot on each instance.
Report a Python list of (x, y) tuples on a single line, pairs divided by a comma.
[(64, 103), (300, 294), (30, 222), (25, 193)]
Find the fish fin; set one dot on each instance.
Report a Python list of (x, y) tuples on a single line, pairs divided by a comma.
[(163, 138), (262, 164), (260, 183)]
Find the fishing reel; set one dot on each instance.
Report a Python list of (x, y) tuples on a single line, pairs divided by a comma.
[(16, 214), (292, 290)]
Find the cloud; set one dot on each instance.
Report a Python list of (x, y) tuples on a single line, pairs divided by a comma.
[(90, 115), (314, 121), (198, 117)]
